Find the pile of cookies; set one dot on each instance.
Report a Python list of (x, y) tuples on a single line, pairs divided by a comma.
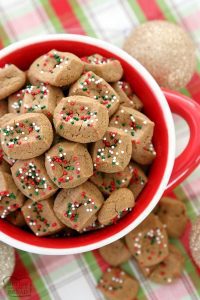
[(155, 256), (75, 145)]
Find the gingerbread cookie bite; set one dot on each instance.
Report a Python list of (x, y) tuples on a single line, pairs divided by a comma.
[(116, 206), (16, 218), (10, 197), (4, 166), (41, 99), (143, 153), (11, 80), (138, 180), (115, 253), (109, 69), (170, 268), (172, 213), (15, 101), (31, 178), (3, 107), (68, 164), (26, 136), (137, 125), (113, 152), (41, 218), (108, 183), (76, 207), (148, 242), (115, 284), (56, 68), (93, 86), (80, 119), (127, 98)]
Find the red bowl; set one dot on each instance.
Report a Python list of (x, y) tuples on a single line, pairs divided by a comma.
[(22, 54)]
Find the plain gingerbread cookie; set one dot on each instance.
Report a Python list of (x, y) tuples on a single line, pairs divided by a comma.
[(11, 80), (109, 69), (80, 119), (56, 68), (26, 136), (116, 206), (32, 179), (68, 164)]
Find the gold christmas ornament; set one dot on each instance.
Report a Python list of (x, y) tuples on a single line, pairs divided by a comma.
[(195, 241), (165, 50), (7, 263)]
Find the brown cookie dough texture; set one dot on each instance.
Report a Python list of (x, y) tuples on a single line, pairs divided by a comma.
[(4, 166), (93, 86), (108, 183), (138, 180), (3, 107), (56, 68), (11, 80), (80, 119), (116, 206), (41, 99), (140, 128), (77, 207), (115, 284), (148, 243), (41, 218), (109, 69), (127, 98), (172, 213), (113, 152), (115, 254), (10, 197), (68, 164), (16, 218), (31, 178), (15, 101), (26, 136)]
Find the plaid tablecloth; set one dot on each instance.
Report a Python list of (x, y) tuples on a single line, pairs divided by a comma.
[(74, 277)]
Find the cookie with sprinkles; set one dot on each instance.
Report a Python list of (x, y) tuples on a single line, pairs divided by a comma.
[(26, 136), (15, 101), (11, 80), (115, 253), (148, 242), (3, 107), (80, 119), (68, 164), (32, 179), (173, 214), (138, 180), (57, 68), (16, 218), (127, 97), (40, 217), (109, 69), (76, 207), (41, 99), (170, 268), (6, 118), (137, 125), (112, 153), (143, 153), (116, 206), (95, 87), (115, 284), (108, 183), (10, 197)]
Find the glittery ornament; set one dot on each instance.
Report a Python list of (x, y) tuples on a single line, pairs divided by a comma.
[(7, 263), (165, 50), (195, 241)]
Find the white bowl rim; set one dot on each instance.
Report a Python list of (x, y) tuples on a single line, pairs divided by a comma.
[(171, 141)]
